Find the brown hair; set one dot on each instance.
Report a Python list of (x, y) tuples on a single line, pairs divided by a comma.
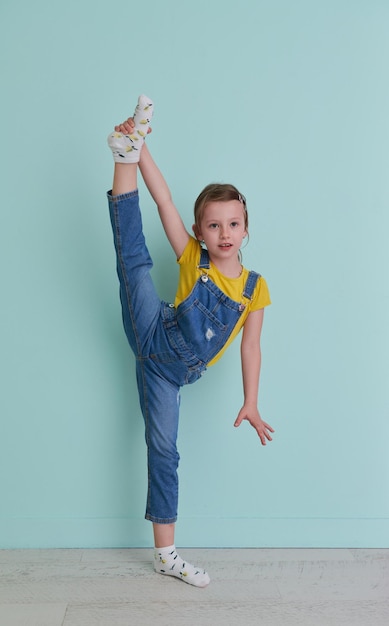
[(218, 192)]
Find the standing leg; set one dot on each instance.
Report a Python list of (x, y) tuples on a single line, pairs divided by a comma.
[(163, 534), (160, 400)]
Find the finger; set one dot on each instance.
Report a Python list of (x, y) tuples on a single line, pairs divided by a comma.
[(238, 421), (128, 126), (264, 433), (269, 427), (262, 438)]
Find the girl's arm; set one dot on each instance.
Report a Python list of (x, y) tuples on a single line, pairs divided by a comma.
[(157, 186), (171, 220), (251, 367)]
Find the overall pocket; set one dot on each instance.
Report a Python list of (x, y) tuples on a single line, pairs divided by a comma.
[(206, 319), (204, 334)]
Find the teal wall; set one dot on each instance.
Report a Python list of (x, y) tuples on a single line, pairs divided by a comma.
[(289, 101)]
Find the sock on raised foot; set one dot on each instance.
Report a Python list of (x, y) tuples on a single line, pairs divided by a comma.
[(169, 563), (126, 148)]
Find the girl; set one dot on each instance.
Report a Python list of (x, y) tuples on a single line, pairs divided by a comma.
[(174, 343)]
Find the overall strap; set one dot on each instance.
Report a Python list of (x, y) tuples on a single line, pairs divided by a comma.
[(204, 260), (250, 285), (251, 281)]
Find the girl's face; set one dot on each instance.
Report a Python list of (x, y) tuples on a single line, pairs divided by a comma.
[(222, 228)]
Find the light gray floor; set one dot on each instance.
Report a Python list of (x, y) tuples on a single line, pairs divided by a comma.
[(258, 587)]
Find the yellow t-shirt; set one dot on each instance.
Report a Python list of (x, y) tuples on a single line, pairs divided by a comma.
[(232, 287)]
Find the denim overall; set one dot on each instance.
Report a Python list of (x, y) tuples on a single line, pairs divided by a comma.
[(172, 345)]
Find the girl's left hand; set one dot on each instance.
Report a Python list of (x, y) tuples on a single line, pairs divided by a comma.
[(252, 415)]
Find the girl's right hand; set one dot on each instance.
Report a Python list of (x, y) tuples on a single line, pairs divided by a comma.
[(127, 127)]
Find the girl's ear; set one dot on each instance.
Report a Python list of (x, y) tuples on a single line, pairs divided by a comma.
[(196, 232)]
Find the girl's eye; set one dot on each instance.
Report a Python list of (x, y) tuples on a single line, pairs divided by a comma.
[(234, 224), (213, 226)]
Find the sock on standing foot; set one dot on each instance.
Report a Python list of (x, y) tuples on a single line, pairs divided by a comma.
[(126, 148), (168, 562)]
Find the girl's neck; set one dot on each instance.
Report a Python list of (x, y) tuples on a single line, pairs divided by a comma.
[(231, 268)]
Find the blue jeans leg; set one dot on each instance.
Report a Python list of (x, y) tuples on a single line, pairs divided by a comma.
[(160, 403), (140, 302), (159, 396)]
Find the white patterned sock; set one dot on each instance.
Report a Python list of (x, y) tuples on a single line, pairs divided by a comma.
[(126, 148), (169, 563)]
